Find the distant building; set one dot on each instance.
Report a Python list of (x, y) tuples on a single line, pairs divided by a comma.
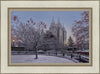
[(58, 30)]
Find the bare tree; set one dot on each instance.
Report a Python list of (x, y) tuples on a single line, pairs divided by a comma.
[(29, 34), (80, 31)]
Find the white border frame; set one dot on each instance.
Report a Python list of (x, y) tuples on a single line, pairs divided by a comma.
[(81, 69)]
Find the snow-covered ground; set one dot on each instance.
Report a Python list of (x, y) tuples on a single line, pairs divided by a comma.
[(41, 59)]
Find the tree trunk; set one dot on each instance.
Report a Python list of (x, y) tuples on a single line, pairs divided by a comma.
[(56, 52), (63, 54), (36, 54)]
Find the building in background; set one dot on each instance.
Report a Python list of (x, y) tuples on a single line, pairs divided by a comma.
[(58, 30)]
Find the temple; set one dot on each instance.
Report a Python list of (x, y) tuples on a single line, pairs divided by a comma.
[(58, 30)]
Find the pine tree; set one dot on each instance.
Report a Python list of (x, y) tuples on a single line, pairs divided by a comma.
[(70, 43)]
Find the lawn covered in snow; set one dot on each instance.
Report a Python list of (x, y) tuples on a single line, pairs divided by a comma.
[(41, 59)]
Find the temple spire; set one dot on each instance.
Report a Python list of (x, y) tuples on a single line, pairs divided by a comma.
[(53, 20), (58, 20), (63, 26)]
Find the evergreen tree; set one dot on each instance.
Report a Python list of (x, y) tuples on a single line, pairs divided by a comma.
[(70, 43)]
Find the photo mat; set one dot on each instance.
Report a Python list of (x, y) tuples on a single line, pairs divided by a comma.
[(49, 10)]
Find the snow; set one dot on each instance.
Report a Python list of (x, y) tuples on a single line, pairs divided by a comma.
[(41, 59), (83, 50)]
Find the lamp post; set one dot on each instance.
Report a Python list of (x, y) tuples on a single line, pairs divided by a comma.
[(13, 42)]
